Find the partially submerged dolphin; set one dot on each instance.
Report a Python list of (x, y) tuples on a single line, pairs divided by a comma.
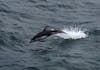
[(47, 31)]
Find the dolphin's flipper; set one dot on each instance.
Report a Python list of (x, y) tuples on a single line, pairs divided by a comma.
[(42, 39)]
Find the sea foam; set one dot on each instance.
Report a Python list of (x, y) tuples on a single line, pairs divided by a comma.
[(72, 33)]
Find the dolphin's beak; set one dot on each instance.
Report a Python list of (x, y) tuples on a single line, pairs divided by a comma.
[(31, 41)]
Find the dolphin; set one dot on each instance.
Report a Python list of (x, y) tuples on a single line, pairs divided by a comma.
[(46, 32)]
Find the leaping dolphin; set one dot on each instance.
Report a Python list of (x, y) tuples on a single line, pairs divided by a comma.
[(46, 32)]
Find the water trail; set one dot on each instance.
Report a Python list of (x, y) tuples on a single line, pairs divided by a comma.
[(72, 33)]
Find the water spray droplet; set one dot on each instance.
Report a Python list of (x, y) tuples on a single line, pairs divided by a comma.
[(72, 33)]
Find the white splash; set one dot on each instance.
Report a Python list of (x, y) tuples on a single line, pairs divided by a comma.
[(72, 33)]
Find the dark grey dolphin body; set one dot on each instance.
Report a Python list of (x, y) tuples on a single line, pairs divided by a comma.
[(44, 34)]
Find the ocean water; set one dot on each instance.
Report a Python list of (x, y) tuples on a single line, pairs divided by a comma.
[(20, 20)]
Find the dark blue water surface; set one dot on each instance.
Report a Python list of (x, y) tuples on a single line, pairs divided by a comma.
[(20, 20)]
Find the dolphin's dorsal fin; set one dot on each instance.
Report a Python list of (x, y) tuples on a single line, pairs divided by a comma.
[(45, 28)]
